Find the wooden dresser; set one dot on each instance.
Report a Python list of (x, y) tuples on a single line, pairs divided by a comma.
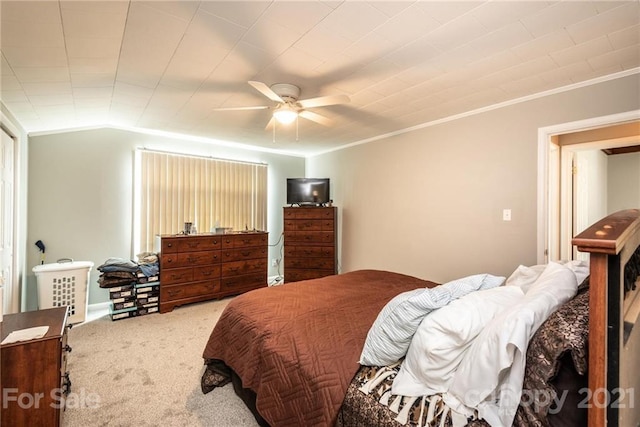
[(208, 266), (310, 237), (34, 373)]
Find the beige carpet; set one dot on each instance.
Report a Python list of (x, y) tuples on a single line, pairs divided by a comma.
[(145, 371)]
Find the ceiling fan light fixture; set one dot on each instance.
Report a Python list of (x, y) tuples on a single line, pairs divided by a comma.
[(285, 115)]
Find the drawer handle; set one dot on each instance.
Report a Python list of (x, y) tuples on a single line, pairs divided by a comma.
[(207, 273), (194, 244), (66, 385), (234, 269), (169, 245), (67, 348), (177, 276), (246, 253), (169, 261), (173, 293), (191, 259)]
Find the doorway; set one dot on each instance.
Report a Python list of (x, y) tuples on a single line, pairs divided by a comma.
[(9, 294), (562, 190)]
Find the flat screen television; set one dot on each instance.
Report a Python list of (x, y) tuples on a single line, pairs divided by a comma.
[(307, 191)]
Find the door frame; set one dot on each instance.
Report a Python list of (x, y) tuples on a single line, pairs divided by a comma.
[(552, 220), (14, 303)]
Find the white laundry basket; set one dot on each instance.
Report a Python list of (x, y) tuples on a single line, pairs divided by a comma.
[(64, 283)]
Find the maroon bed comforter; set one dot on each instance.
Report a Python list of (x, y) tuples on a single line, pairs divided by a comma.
[(297, 345)]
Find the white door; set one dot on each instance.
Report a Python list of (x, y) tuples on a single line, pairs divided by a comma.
[(8, 294)]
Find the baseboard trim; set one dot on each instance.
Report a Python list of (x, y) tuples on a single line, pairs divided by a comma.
[(95, 311)]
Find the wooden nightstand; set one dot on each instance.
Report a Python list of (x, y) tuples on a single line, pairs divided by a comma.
[(34, 373)]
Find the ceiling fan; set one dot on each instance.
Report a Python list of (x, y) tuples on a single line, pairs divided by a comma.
[(289, 107)]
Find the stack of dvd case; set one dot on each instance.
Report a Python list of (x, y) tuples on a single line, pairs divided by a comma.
[(138, 297)]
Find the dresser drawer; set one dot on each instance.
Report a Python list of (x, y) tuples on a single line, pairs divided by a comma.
[(207, 272), (177, 275), (169, 245), (195, 289), (312, 213), (249, 266), (242, 283), (309, 225), (198, 258), (199, 243), (313, 237), (315, 263), (294, 275), (244, 240), (244, 253), (310, 251)]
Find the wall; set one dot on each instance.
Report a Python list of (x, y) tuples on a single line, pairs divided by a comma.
[(624, 181), (81, 192), (429, 202)]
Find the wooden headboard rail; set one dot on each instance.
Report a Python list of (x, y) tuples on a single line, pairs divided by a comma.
[(611, 242)]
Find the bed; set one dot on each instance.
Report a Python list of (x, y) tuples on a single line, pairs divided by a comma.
[(293, 352)]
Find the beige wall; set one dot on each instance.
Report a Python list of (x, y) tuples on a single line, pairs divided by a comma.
[(429, 202), (81, 190), (624, 181)]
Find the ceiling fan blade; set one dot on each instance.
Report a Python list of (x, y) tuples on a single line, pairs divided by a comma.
[(266, 91), (270, 124), (315, 117), (321, 101), (258, 107)]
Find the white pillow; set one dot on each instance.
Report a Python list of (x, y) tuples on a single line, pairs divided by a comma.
[(443, 337), (389, 337), (579, 268), (524, 277), (489, 377)]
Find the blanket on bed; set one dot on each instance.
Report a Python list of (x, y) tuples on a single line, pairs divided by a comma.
[(297, 345)]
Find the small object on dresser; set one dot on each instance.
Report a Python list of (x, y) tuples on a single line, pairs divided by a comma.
[(27, 334)]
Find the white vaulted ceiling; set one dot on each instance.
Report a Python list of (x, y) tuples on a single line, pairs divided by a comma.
[(167, 65)]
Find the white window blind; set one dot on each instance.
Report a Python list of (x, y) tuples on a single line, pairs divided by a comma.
[(174, 189)]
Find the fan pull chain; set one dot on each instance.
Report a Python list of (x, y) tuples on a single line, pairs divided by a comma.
[(274, 131), (297, 121)]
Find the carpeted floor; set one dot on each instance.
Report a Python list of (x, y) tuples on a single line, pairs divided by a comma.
[(145, 371)]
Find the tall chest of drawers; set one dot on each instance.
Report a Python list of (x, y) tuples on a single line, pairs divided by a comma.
[(34, 375), (310, 237), (207, 266)]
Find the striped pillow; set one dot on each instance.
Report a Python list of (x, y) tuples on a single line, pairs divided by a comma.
[(389, 338)]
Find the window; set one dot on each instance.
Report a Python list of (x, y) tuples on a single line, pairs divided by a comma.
[(172, 189)]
